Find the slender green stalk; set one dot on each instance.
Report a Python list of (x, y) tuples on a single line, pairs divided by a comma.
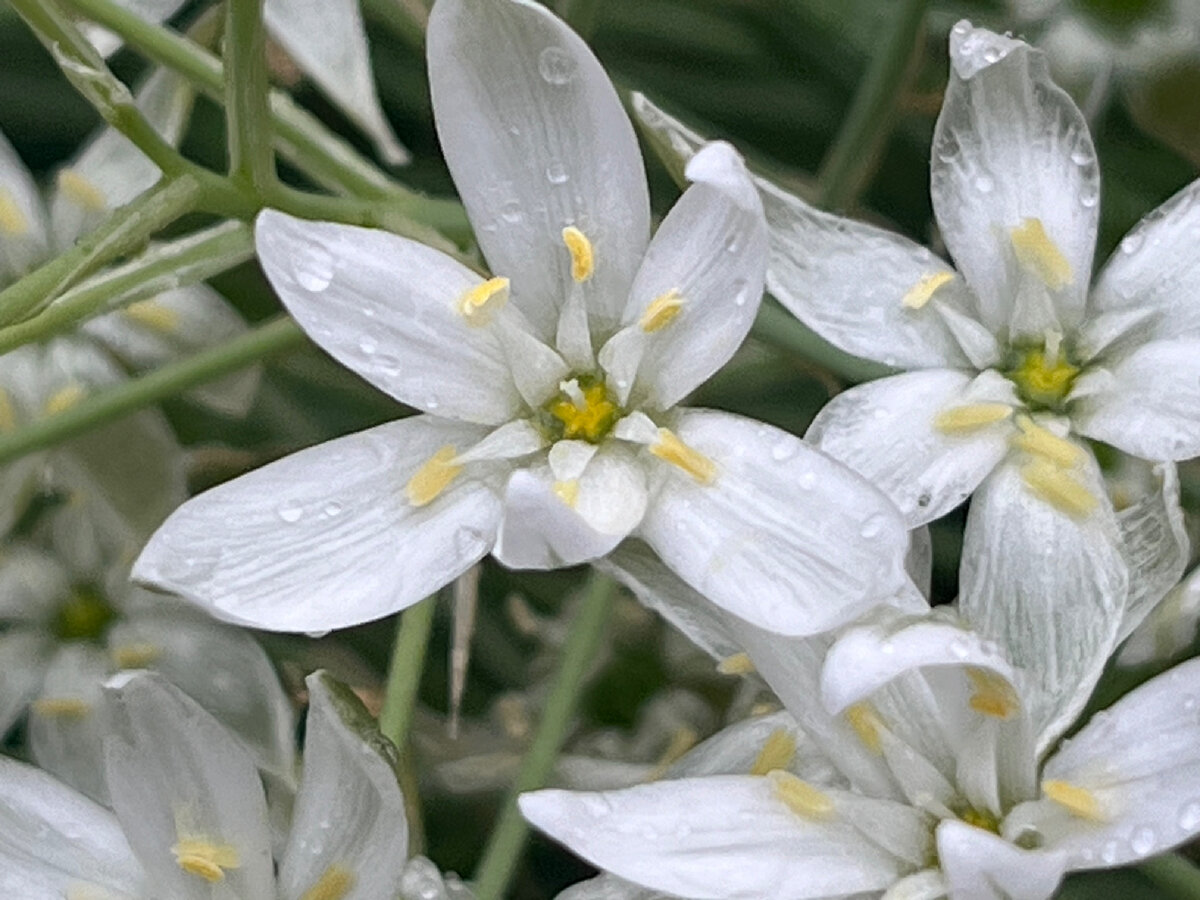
[(851, 160), (508, 838), (404, 672), (1175, 876), (248, 122), (276, 336)]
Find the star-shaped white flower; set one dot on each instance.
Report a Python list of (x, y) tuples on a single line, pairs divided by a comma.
[(551, 430)]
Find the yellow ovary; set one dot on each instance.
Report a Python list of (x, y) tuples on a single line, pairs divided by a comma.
[(661, 311), (483, 301), (1042, 378), (1037, 252), (777, 753), (434, 476), (583, 256), (671, 449), (922, 292), (588, 415), (801, 797), (971, 417), (204, 859), (1079, 802)]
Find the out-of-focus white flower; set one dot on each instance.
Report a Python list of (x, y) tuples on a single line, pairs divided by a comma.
[(62, 637), (1169, 629), (551, 429), (190, 815)]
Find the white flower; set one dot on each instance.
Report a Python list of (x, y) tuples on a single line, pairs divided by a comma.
[(62, 636), (1014, 362), (551, 430), (191, 817)]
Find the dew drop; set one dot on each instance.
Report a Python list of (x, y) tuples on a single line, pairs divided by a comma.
[(511, 212), (556, 173), (313, 270), (1132, 243), (332, 508), (808, 481), (556, 65), (316, 635), (1081, 157), (1109, 853), (1089, 197), (871, 527), (959, 648), (290, 512), (1189, 816), (984, 184), (784, 449), (992, 54), (1142, 842), (367, 345)]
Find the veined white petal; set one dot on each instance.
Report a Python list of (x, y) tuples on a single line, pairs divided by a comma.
[(23, 222), (327, 537), (888, 431), (389, 308), (978, 865), (185, 792), (24, 655), (699, 287), (1145, 402), (328, 41), (537, 141), (719, 837), (1049, 585), (53, 839), (1012, 151), (782, 536), (349, 815)]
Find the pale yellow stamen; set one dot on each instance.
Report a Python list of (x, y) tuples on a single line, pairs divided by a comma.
[(973, 416), (8, 416), (801, 797), (433, 477), (62, 707), (153, 315), (683, 740), (63, 399), (1077, 801), (1038, 253), (738, 664), (12, 220), (921, 292), (334, 884), (867, 725), (662, 311), (777, 753), (483, 301), (1058, 487), (1038, 441), (205, 859), (567, 491), (583, 257), (137, 655), (993, 695), (81, 191), (670, 448)]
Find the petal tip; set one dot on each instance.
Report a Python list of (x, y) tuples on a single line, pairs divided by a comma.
[(974, 49), (718, 164)]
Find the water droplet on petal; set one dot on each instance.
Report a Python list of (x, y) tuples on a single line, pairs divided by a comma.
[(808, 481), (556, 65), (984, 184), (1132, 243), (290, 512), (332, 508), (1143, 841), (367, 345), (556, 173), (1189, 816), (959, 648), (313, 270), (511, 212), (871, 527), (784, 449)]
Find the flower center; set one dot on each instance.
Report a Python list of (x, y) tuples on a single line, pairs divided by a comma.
[(84, 617), (1043, 378), (980, 818), (582, 410)]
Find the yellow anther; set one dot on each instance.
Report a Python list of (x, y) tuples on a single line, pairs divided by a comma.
[(992, 695), (1077, 801), (921, 292), (1059, 488), (777, 753), (971, 417), (1049, 446), (64, 398), (738, 664), (567, 491), (81, 191), (8, 415), (137, 655), (1043, 379), (334, 884), (583, 257), (867, 725), (483, 301), (1038, 253), (153, 315), (12, 220), (61, 707), (683, 740), (589, 415), (670, 448), (433, 477), (799, 796), (662, 311), (205, 859)]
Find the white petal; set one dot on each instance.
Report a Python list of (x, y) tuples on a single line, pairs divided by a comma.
[(329, 44), (1146, 402), (536, 141), (844, 279), (53, 840), (1011, 146), (978, 865), (175, 774), (23, 222), (32, 585), (718, 837), (919, 562), (349, 811), (326, 538), (1170, 628), (1050, 587), (387, 307), (886, 431), (783, 537), (24, 654), (221, 668), (711, 251)]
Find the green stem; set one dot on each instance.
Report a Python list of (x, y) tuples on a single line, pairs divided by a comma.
[(508, 838), (248, 122), (404, 673), (780, 329), (276, 336), (1174, 875), (125, 230), (849, 163)]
